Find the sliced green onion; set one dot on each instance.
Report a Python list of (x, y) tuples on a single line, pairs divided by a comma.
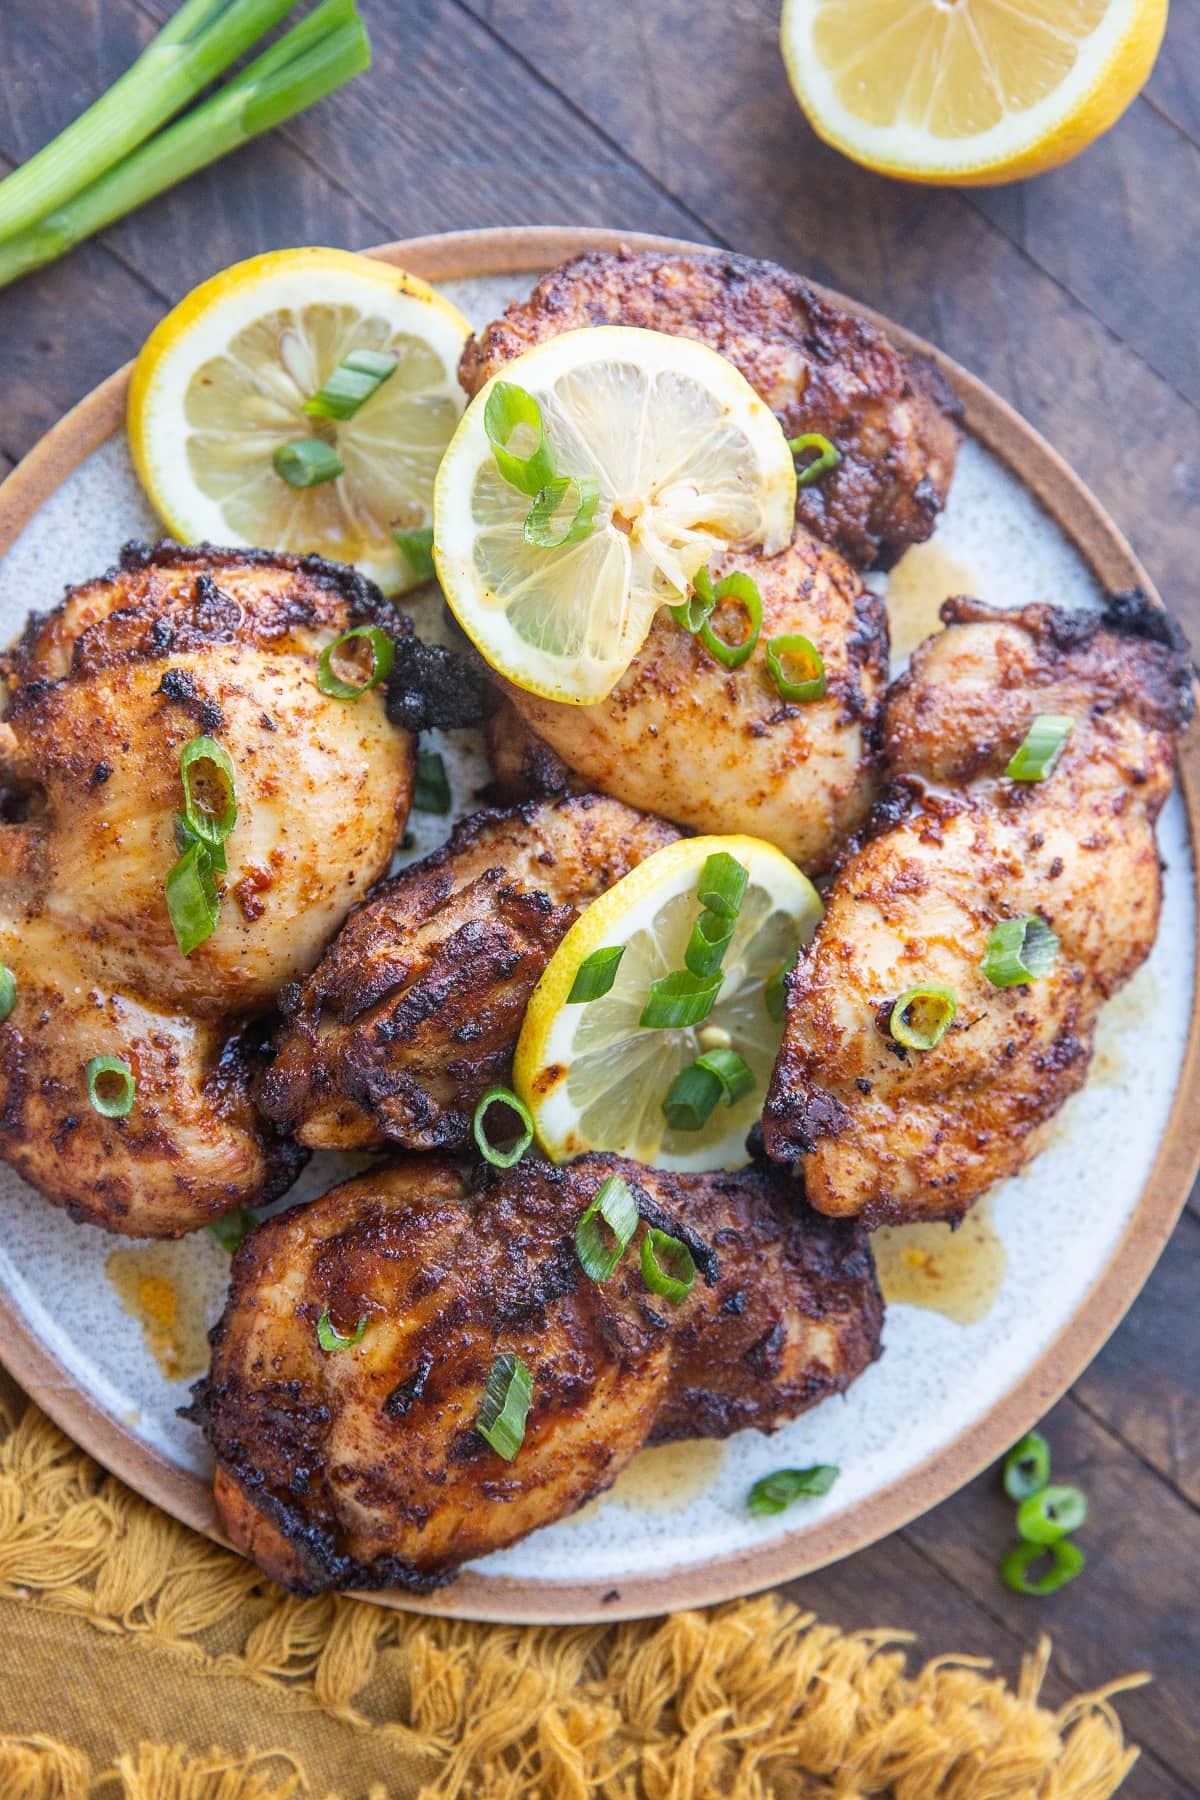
[(192, 899), (807, 682), (722, 885), (416, 547), (185, 836), (1019, 950), (431, 790), (740, 588), (507, 410), (775, 990), (383, 655), (230, 1229), (1066, 1562), (200, 816), (1041, 747), (660, 1281), (921, 1017), (690, 1099), (1051, 1513), (772, 1493), (544, 527), (733, 1073), (8, 991), (502, 1159), (692, 612), (827, 457), (505, 1405), (330, 1338), (307, 463), (615, 1205), (358, 376), (679, 1000), (115, 1099), (1027, 1467), (711, 937), (595, 975)]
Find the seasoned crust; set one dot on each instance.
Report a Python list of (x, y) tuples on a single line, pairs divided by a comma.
[(893, 417), (365, 1469)]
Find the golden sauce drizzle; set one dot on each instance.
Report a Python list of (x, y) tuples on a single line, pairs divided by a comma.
[(166, 1288), (957, 1273), (1132, 1006), (661, 1479), (920, 581)]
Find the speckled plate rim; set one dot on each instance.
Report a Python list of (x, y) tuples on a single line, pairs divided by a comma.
[(476, 1595)]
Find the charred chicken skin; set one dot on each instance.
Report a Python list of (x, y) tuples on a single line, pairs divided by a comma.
[(718, 749), (414, 1011), (895, 1134), (363, 1467), (892, 417), (104, 693)]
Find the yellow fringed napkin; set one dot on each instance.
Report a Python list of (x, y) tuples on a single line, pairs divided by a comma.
[(139, 1662)]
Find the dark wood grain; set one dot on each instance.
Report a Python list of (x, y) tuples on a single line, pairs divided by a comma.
[(1073, 295)]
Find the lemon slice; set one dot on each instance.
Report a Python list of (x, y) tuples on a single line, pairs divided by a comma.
[(220, 385), (593, 1077), (686, 458), (967, 91)]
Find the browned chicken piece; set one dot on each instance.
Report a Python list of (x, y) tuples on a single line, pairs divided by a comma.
[(896, 1134), (414, 1011), (105, 692), (892, 417), (718, 749), (363, 1467)]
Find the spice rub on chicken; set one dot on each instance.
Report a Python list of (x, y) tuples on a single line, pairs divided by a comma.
[(363, 1466), (720, 750), (893, 1132), (171, 646), (892, 417), (415, 1009)]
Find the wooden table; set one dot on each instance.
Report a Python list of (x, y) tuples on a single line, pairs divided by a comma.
[(1075, 296)]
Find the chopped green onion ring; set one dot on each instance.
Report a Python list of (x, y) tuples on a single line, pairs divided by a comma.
[(1066, 1562), (674, 1288), (679, 1000), (502, 1159), (731, 1070), (1040, 748), (798, 649), (542, 522), (692, 612), (722, 885), (1019, 950), (307, 463), (1052, 1513), (615, 1205), (595, 975), (416, 547), (431, 790), (185, 836), (505, 1406), (921, 1017), (827, 457), (383, 655), (232, 1227), (358, 376), (108, 1103), (691, 1098), (737, 587), (711, 937), (775, 990), (192, 900), (1027, 1467), (8, 991), (330, 1338), (507, 409), (772, 1493), (204, 822)]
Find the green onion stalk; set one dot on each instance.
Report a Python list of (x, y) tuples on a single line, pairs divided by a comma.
[(320, 54)]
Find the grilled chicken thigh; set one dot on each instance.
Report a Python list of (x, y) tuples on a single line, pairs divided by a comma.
[(717, 749), (892, 417), (897, 1134), (414, 1011), (363, 1467), (105, 692)]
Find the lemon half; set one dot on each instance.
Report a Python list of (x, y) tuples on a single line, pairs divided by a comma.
[(687, 459), (593, 1078), (220, 386), (967, 91)]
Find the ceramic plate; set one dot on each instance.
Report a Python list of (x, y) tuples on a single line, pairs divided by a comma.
[(107, 1335)]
